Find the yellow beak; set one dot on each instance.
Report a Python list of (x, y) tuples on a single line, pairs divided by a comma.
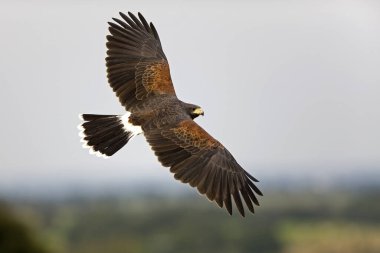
[(199, 111)]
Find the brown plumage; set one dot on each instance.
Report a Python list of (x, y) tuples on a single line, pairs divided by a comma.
[(139, 74)]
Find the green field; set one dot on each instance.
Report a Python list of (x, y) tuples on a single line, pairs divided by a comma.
[(289, 222)]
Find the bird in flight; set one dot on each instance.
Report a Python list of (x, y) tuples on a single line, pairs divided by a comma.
[(139, 74)]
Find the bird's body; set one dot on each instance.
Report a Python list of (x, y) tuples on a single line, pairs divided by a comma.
[(139, 74), (159, 112)]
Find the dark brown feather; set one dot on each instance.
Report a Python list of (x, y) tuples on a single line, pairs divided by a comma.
[(227, 195), (154, 31), (247, 200), (147, 28), (236, 195), (219, 189), (136, 20)]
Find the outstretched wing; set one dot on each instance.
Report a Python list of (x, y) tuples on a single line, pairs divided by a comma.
[(136, 64), (195, 157)]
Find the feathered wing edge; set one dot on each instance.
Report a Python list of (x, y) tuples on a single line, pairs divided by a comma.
[(218, 176), (210, 167), (136, 64)]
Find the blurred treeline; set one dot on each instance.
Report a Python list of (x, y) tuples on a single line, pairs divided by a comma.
[(289, 222)]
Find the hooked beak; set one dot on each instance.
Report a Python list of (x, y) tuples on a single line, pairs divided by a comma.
[(199, 111)]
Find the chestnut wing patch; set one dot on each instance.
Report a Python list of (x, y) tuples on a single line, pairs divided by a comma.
[(198, 159), (191, 137), (153, 78)]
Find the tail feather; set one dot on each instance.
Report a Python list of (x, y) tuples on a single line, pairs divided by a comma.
[(104, 135)]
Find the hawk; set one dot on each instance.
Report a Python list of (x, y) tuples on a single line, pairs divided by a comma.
[(139, 74)]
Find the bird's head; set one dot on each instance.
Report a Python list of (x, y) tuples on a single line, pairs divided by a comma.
[(194, 110)]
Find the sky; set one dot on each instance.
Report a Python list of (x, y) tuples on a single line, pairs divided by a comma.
[(289, 87)]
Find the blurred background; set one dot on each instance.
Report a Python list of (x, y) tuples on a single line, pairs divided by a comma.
[(291, 88)]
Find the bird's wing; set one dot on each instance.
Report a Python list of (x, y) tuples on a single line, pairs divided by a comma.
[(195, 157), (136, 64)]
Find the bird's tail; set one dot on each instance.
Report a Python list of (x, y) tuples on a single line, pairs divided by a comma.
[(104, 135)]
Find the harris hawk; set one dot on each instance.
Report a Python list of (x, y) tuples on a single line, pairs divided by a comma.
[(139, 74)]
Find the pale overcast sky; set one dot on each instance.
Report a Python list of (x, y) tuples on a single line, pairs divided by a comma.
[(289, 87)]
